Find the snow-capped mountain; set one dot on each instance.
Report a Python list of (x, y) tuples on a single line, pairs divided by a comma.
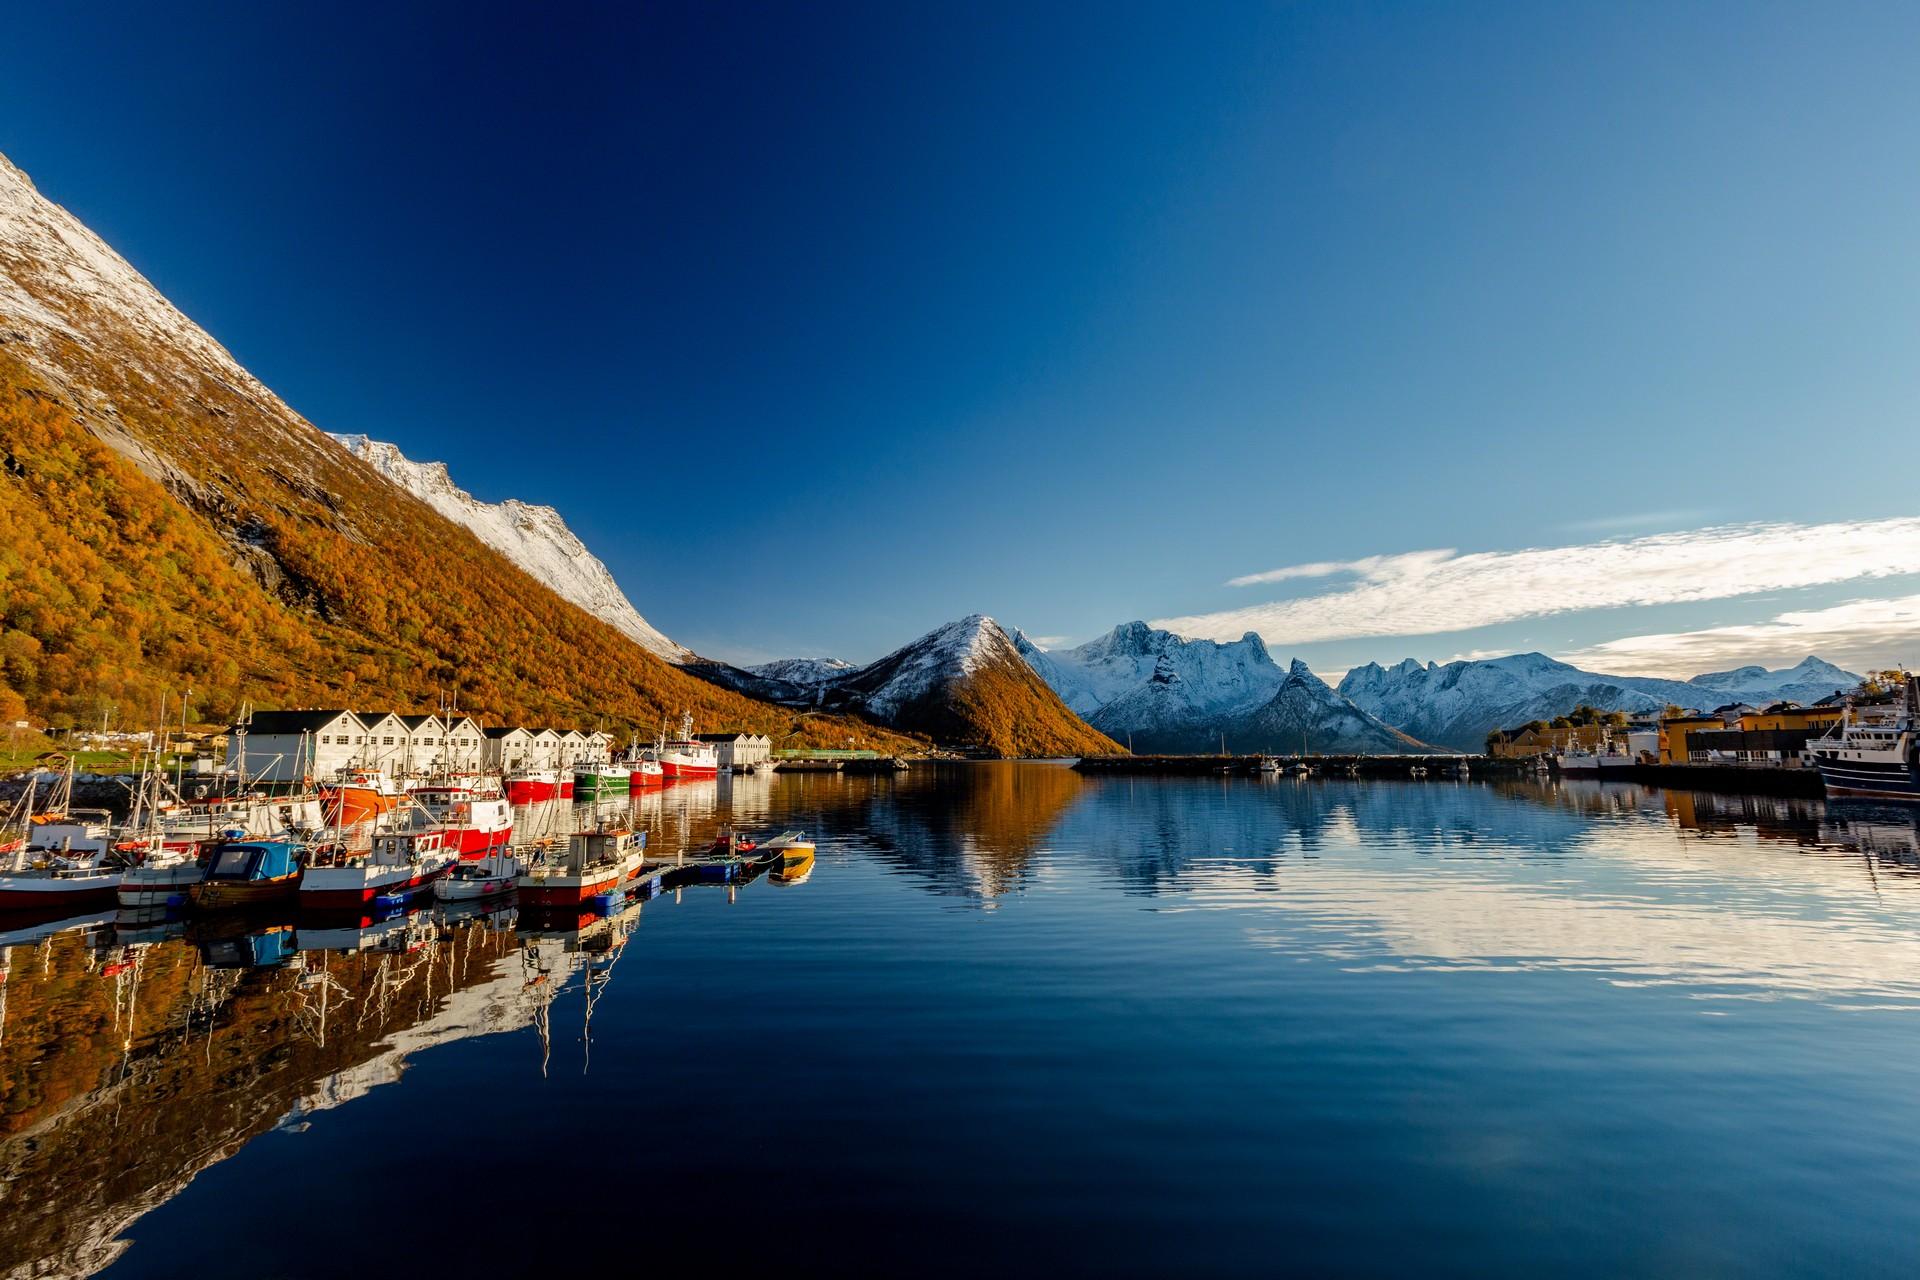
[(1208, 677), (1306, 714), (805, 672), (964, 683), (1810, 680), (1459, 703), (1166, 692), (533, 537)]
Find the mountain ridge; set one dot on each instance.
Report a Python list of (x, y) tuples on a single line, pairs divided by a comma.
[(169, 522)]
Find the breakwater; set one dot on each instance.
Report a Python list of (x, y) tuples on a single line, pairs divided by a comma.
[(1332, 766)]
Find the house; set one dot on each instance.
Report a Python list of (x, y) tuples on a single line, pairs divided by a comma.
[(424, 750), (574, 746), (388, 741), (738, 750), (1676, 730), (465, 748), (506, 749), (1774, 738), (289, 746), (543, 748)]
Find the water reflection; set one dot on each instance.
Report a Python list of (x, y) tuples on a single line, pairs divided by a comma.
[(137, 1051)]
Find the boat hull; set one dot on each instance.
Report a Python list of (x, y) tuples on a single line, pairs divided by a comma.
[(229, 895), (167, 888), (351, 806), (1872, 779), (334, 888), (78, 891), (535, 790)]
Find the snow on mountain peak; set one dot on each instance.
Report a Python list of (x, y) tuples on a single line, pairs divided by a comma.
[(805, 672), (534, 537)]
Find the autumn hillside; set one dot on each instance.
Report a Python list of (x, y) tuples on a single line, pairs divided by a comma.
[(166, 521)]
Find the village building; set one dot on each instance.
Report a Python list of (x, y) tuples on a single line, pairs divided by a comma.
[(507, 748), (738, 750), (290, 746)]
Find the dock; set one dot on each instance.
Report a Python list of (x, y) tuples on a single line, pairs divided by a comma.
[(1325, 766)]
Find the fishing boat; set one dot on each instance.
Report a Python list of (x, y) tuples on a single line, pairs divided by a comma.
[(354, 796), (794, 853), (162, 877), (794, 869), (531, 786), (245, 873), (1875, 750), (473, 817), (396, 867), (488, 877), (48, 880), (686, 756), (593, 863), (645, 773), (598, 779)]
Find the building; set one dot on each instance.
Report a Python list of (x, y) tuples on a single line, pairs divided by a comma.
[(465, 748), (387, 741), (1774, 738), (423, 748), (290, 746), (739, 750), (507, 748)]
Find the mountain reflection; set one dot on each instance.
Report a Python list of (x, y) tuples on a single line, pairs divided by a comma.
[(134, 1054)]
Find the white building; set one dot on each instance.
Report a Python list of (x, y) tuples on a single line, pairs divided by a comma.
[(507, 748), (289, 746), (735, 750), (465, 748), (387, 741)]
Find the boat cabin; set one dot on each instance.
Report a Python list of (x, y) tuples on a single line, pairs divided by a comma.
[(254, 860)]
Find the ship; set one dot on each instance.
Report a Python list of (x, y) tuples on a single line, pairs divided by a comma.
[(474, 819), (593, 863), (598, 779), (686, 756), (354, 796), (531, 786), (1874, 751), (397, 867)]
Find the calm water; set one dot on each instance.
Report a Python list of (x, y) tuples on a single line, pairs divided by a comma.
[(1023, 1021)]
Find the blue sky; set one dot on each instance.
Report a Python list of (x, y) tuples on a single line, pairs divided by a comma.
[(1066, 314)]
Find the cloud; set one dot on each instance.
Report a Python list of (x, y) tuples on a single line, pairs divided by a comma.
[(1049, 642), (1370, 567), (1433, 592), (1857, 634), (1638, 520)]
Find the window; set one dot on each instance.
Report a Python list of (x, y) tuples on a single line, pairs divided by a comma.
[(387, 741), (361, 741), (324, 739)]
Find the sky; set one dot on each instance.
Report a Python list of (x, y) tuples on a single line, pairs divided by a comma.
[(1385, 330)]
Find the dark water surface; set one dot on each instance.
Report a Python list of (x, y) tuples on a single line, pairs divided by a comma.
[(1022, 1021)]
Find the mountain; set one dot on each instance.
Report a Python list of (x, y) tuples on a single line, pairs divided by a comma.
[(533, 537), (1459, 703), (1810, 680), (1164, 692), (166, 521), (966, 683), (808, 673)]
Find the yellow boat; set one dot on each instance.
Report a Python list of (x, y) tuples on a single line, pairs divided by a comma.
[(796, 857)]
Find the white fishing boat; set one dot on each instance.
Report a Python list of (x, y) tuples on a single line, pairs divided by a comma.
[(45, 880), (593, 863), (396, 866), (487, 877), (163, 877)]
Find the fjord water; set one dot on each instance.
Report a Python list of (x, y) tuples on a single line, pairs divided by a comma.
[(1023, 1020)]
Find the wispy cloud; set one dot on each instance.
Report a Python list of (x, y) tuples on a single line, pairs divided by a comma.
[(1050, 642), (1859, 633), (1634, 520), (1432, 592)]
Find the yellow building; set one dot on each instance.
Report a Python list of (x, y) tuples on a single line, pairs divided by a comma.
[(1673, 735)]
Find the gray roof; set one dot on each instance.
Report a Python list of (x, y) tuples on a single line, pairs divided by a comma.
[(292, 721)]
